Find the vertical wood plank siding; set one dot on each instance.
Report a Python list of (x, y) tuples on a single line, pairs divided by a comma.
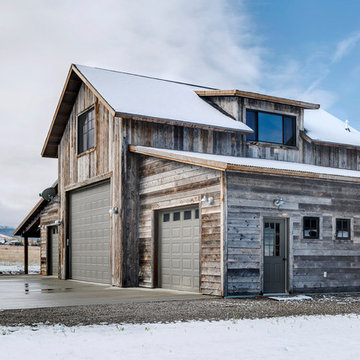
[(47, 216), (166, 184), (250, 199), (103, 159)]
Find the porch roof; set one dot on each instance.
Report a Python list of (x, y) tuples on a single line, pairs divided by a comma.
[(232, 163)]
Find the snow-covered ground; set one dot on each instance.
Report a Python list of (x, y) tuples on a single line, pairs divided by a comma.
[(10, 269), (315, 337)]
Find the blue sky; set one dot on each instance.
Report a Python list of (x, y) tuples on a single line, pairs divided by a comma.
[(309, 34), (301, 49)]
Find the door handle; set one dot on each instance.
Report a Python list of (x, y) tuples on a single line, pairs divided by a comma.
[(284, 259)]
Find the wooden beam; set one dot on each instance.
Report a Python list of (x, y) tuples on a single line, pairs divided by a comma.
[(90, 181), (257, 96), (20, 229), (212, 164), (64, 107), (182, 123), (92, 88), (222, 165), (26, 255)]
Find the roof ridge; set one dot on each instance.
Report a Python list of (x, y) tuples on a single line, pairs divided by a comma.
[(146, 76)]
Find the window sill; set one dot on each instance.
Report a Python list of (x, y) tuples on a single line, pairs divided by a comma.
[(271, 145), (86, 152), (343, 241)]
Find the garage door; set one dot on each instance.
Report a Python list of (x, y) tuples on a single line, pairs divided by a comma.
[(90, 234), (179, 249), (54, 252)]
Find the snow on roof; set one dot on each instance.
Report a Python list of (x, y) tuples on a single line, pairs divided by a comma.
[(324, 127), (225, 161), (163, 99)]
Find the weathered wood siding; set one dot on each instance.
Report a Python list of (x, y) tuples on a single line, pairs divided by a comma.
[(47, 216), (331, 156), (103, 161), (183, 138), (250, 199), (167, 184)]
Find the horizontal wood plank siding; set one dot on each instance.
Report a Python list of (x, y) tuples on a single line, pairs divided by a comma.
[(250, 199), (167, 184)]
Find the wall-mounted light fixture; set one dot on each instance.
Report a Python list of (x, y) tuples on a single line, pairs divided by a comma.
[(209, 200), (58, 222), (278, 202), (113, 211)]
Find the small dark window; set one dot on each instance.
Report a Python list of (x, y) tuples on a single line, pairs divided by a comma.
[(289, 126), (187, 215), (166, 217), (86, 131), (311, 227), (196, 213), (343, 229), (176, 216), (271, 128)]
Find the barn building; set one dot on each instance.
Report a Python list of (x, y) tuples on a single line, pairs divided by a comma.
[(222, 192)]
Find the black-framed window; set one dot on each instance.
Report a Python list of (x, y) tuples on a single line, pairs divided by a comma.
[(311, 228), (343, 229), (271, 128), (86, 131)]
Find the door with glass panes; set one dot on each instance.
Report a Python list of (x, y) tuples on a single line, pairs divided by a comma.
[(275, 259)]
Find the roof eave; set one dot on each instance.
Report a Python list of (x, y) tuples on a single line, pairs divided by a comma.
[(222, 166), (257, 96), (181, 123), (17, 231), (50, 146), (327, 143)]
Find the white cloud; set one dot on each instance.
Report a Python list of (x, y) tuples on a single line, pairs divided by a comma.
[(345, 46), (205, 42), (199, 41)]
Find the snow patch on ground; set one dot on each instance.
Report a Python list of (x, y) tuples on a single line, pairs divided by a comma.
[(10, 269), (339, 298), (291, 298), (313, 337)]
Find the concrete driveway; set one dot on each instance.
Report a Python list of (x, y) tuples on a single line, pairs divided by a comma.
[(35, 291)]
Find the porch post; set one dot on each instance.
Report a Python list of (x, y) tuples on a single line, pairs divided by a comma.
[(26, 255)]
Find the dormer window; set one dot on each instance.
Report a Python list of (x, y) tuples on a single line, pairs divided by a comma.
[(86, 131), (271, 128)]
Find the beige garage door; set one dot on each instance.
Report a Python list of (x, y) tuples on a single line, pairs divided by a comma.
[(179, 249), (90, 234), (54, 252)]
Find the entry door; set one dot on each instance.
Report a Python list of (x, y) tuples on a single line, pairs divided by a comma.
[(53, 249), (274, 256)]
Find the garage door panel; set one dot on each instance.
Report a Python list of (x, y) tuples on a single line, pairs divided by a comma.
[(90, 234), (179, 249)]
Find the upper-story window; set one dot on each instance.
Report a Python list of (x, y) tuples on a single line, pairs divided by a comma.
[(271, 128), (86, 131)]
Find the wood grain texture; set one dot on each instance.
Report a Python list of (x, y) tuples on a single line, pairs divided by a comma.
[(48, 216), (250, 199), (166, 184)]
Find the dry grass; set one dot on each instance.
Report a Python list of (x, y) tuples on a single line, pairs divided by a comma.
[(15, 254)]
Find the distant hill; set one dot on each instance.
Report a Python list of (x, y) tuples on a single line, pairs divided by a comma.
[(6, 230)]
